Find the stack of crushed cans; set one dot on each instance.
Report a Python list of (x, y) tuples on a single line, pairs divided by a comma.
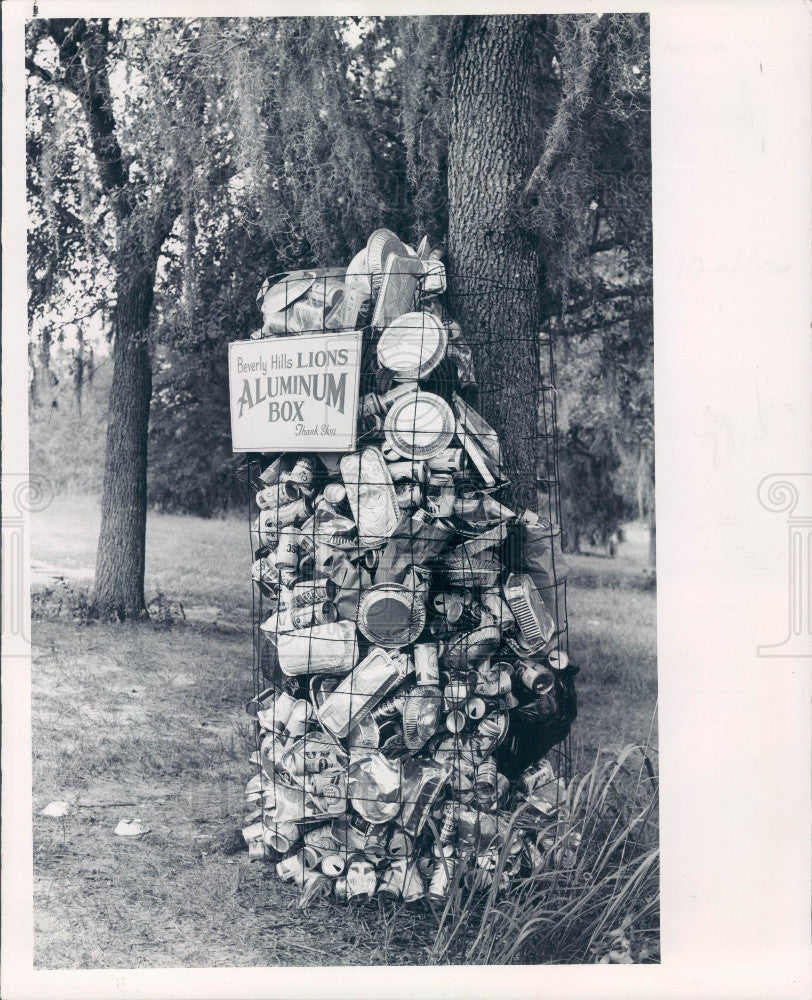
[(409, 634)]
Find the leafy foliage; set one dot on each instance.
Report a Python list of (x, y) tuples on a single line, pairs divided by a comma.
[(250, 146)]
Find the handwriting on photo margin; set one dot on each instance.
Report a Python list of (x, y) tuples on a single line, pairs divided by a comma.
[(791, 493)]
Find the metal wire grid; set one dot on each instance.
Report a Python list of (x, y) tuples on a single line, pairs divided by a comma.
[(442, 381)]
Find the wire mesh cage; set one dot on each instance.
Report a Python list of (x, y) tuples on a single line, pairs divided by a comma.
[(410, 657)]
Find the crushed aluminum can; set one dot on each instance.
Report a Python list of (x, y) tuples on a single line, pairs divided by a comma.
[(418, 581), (318, 649), (541, 773), (264, 570), (300, 716), (393, 880), (408, 494), (291, 869), (535, 677), (400, 844), (448, 830), (413, 886), (275, 518), (314, 885), (557, 659), (426, 664), (389, 708), (361, 880), (340, 888), (493, 604), (455, 721), (287, 548), (440, 495), (280, 837), (421, 712), (485, 777), (313, 592), (333, 865), (303, 472), (257, 850), (277, 495), (448, 460), (288, 578), (324, 613), (321, 838), (441, 877)]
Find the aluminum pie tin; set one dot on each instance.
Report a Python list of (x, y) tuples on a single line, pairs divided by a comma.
[(391, 615), (465, 651), (421, 715), (413, 345), (380, 247), (419, 426), (286, 291)]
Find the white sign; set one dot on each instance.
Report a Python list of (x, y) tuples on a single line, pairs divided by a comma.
[(295, 393)]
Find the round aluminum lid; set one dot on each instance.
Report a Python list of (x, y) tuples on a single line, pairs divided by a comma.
[(285, 292), (390, 615), (413, 345), (419, 425)]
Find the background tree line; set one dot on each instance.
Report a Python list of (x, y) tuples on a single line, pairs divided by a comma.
[(174, 164)]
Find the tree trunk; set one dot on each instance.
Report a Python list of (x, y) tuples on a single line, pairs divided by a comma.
[(120, 555), (494, 145)]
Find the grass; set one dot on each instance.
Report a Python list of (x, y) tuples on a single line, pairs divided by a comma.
[(148, 722), (595, 895)]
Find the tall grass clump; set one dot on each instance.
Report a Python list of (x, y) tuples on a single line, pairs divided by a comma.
[(592, 893)]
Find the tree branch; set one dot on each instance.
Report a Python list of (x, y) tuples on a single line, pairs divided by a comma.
[(88, 78), (605, 295)]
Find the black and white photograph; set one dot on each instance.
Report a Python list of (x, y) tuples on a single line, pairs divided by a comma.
[(336, 552)]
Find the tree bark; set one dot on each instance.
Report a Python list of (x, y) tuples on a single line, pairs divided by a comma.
[(494, 266), (119, 588)]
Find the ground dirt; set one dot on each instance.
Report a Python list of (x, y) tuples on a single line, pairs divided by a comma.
[(147, 722)]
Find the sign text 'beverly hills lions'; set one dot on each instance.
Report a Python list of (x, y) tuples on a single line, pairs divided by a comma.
[(295, 393)]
